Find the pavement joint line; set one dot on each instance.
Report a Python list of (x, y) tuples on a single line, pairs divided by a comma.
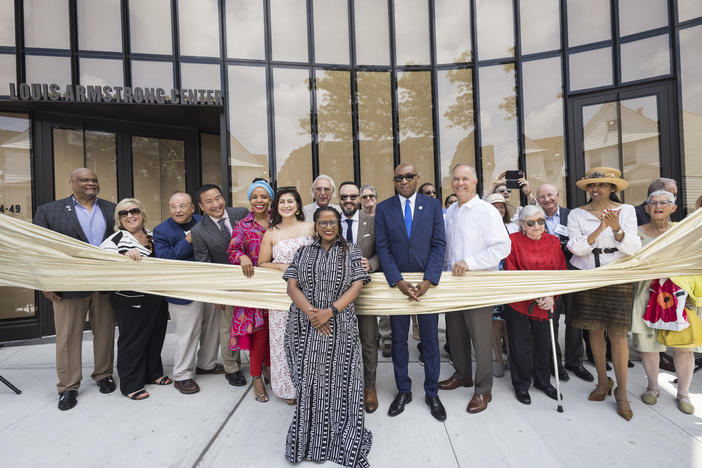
[(215, 436), (455, 455), (673, 423)]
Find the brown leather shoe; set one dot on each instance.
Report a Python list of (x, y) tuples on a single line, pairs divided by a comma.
[(452, 383), (186, 387), (478, 403), (218, 369), (371, 400)]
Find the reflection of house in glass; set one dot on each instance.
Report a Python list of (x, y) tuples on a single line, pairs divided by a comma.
[(692, 173), (544, 159), (245, 166)]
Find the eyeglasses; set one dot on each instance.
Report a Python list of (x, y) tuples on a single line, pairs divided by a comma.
[(179, 207), (322, 189), (367, 197), (531, 222), (659, 203), (324, 224), (346, 197), (132, 211), (407, 177)]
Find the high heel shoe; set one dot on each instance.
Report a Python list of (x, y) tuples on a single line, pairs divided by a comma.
[(623, 408), (600, 392)]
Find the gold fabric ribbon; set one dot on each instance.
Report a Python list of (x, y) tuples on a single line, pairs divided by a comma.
[(36, 258)]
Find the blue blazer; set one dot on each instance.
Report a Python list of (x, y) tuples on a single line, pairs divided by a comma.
[(425, 248), (169, 242)]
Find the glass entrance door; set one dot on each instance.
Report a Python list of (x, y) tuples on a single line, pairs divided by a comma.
[(629, 130)]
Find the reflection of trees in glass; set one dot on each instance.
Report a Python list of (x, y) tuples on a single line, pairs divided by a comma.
[(509, 103), (460, 113)]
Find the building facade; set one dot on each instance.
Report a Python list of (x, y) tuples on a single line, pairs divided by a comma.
[(159, 95)]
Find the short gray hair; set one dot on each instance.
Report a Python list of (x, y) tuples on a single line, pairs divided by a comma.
[(462, 164), (529, 211), (660, 184), (369, 187), (323, 176), (662, 193)]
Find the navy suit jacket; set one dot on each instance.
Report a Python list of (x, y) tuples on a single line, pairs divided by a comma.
[(169, 242), (563, 214), (425, 248)]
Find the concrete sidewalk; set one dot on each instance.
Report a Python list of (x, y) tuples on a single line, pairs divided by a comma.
[(224, 426)]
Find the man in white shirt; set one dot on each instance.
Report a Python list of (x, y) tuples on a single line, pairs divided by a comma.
[(476, 239), (323, 189)]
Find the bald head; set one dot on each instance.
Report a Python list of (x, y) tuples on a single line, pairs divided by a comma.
[(547, 197), (84, 184), (406, 179)]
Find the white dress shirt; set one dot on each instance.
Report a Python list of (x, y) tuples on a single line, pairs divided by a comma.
[(354, 226), (226, 220), (475, 232), (410, 200)]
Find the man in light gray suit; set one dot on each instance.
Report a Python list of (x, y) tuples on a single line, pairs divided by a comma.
[(323, 189), (211, 237), (358, 228)]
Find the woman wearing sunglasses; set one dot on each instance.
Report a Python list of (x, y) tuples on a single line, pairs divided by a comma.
[(141, 318), (532, 249)]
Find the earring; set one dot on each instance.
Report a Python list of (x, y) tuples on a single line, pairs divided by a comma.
[(297, 212)]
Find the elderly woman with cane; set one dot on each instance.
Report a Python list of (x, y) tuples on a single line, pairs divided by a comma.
[(527, 321)]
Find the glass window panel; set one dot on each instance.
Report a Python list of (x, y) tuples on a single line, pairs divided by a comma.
[(198, 27), (16, 198), (289, 30), (248, 129), (495, 23), (689, 9), (375, 132), (101, 72), (645, 58), (150, 27), (100, 25), (415, 118), (641, 15), (588, 21), (543, 124), (456, 122), (540, 25), (372, 36), (7, 23), (245, 29), (200, 76), (691, 90), (211, 160), (68, 155), (46, 24), (158, 170), (412, 32), (640, 148), (8, 69), (292, 129), (101, 157), (452, 31), (42, 69), (331, 31), (601, 135), (152, 74), (591, 69), (498, 123), (334, 125)]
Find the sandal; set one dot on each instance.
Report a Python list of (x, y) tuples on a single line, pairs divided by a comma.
[(685, 405), (650, 396), (263, 396), (165, 380), (139, 395), (291, 401)]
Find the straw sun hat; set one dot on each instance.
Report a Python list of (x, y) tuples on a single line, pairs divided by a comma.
[(607, 175), (495, 198)]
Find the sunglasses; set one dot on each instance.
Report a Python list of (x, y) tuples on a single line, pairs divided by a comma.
[(503, 190), (324, 224), (367, 197), (531, 222), (407, 177), (347, 197), (125, 213), (429, 192)]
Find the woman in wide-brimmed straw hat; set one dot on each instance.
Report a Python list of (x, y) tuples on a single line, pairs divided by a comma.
[(600, 232)]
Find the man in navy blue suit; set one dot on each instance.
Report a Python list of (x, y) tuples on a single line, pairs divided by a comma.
[(409, 237)]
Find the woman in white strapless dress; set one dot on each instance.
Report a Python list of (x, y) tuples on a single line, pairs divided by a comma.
[(287, 233)]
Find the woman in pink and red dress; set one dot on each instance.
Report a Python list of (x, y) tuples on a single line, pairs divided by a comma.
[(250, 326)]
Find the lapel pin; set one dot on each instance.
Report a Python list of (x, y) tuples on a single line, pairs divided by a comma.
[(420, 207), (68, 207)]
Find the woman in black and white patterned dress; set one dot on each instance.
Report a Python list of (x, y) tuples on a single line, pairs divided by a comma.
[(324, 351)]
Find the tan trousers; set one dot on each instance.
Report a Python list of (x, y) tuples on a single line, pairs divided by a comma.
[(69, 319), (231, 360), (194, 323)]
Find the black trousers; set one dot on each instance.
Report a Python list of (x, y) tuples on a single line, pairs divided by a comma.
[(521, 330), (142, 332), (574, 348)]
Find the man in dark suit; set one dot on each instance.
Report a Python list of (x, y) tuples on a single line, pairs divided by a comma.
[(358, 228), (410, 237), (195, 321), (211, 237), (85, 217), (556, 224)]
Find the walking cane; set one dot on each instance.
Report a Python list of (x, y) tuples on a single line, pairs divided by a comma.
[(555, 361)]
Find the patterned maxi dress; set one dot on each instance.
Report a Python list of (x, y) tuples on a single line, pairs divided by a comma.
[(329, 417), (283, 252)]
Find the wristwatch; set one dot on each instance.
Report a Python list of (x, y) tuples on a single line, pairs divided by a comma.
[(620, 231), (335, 311)]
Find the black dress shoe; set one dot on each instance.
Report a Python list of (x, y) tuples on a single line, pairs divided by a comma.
[(523, 396), (398, 404), (107, 385), (550, 391), (236, 378), (581, 373), (68, 400), (437, 409), (562, 374)]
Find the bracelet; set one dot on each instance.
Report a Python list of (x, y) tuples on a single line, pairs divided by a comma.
[(335, 311), (620, 231)]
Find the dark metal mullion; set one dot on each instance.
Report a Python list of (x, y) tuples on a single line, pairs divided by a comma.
[(126, 44), (19, 42), (224, 146), (616, 68), (620, 145), (73, 37), (354, 95), (519, 95), (270, 108), (477, 140), (676, 107), (568, 136), (314, 137), (393, 87), (175, 35), (434, 96)]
